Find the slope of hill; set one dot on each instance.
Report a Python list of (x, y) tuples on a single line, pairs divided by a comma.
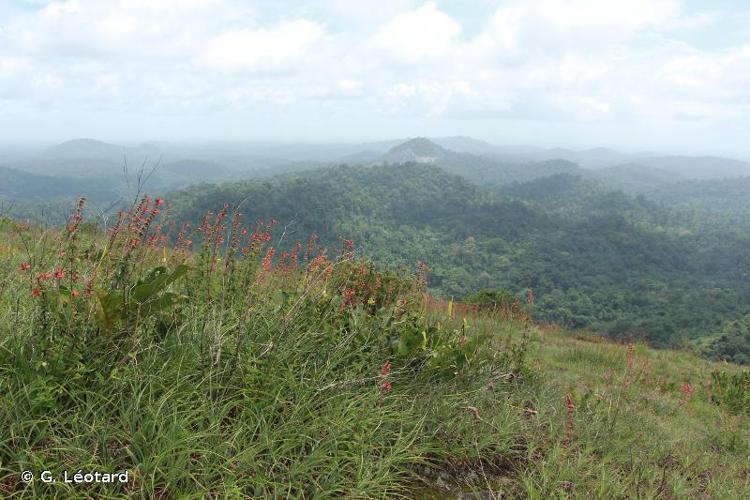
[(419, 150), (262, 377), (713, 194), (494, 174)]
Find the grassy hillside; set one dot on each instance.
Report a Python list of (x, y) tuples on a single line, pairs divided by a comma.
[(255, 373)]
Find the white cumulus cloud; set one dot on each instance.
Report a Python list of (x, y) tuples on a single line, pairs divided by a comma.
[(279, 47), (418, 35)]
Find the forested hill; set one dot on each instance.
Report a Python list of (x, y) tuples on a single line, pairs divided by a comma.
[(17, 184), (709, 196), (488, 171), (594, 258)]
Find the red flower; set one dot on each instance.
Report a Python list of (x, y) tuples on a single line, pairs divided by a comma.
[(159, 202), (267, 262), (36, 292), (25, 266), (385, 370), (350, 295), (349, 245), (59, 274), (687, 393)]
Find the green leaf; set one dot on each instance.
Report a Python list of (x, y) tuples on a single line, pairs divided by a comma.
[(110, 310), (157, 280)]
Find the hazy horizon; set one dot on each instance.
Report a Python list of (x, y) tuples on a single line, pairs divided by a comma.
[(668, 76), (40, 145)]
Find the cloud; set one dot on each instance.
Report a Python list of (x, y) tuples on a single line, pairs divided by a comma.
[(625, 67), (417, 36), (277, 48), (542, 29)]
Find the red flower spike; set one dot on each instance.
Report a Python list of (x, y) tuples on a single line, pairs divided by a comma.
[(385, 370)]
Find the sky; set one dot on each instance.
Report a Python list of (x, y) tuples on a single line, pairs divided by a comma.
[(657, 75)]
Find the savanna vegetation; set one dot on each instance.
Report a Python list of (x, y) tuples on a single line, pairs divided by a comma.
[(220, 361)]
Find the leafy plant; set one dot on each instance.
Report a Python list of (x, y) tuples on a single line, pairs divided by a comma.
[(147, 298), (732, 391)]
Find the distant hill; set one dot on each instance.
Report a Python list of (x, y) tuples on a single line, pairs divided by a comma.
[(85, 148), (635, 178), (695, 167), (486, 171), (182, 173), (174, 165), (589, 158), (419, 150), (560, 187), (699, 167), (713, 195), (462, 144), (195, 168), (365, 157), (85, 157), (80, 156), (20, 185)]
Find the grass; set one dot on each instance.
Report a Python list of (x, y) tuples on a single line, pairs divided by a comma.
[(253, 374)]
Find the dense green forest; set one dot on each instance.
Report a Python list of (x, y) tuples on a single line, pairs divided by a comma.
[(594, 258)]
